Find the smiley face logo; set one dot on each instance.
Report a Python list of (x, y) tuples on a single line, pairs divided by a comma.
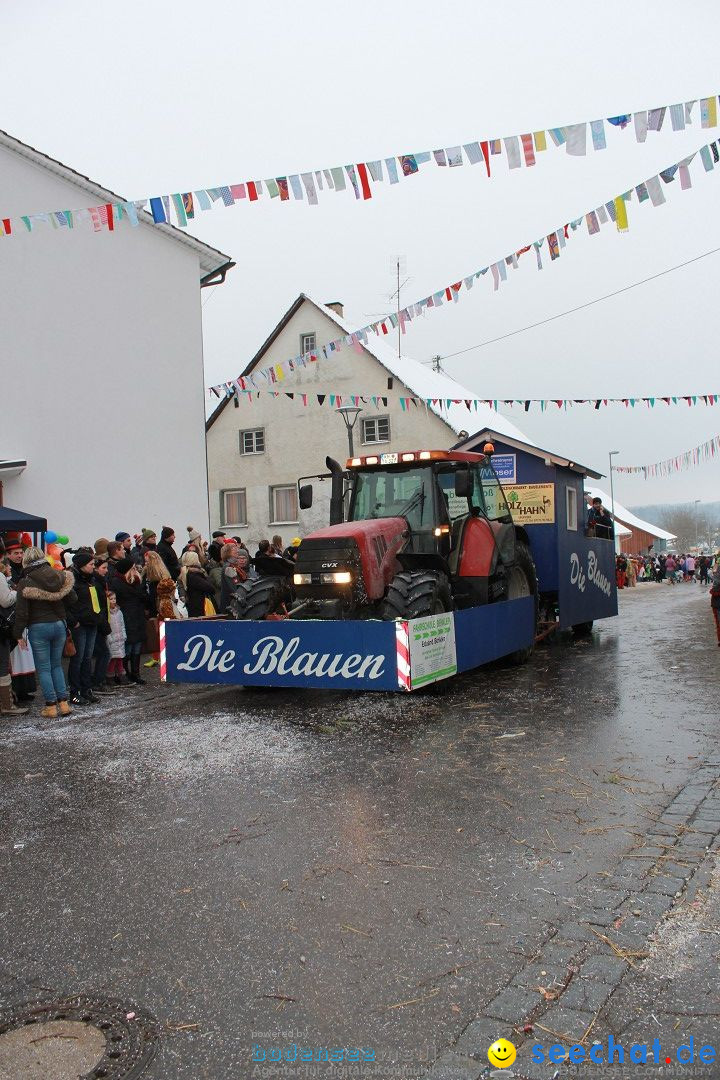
[(501, 1054)]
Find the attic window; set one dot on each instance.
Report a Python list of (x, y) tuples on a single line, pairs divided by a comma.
[(307, 343), (390, 383)]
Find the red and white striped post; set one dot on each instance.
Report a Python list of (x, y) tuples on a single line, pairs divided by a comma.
[(163, 653), (402, 648)]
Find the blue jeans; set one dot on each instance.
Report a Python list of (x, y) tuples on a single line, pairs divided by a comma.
[(47, 640), (80, 669)]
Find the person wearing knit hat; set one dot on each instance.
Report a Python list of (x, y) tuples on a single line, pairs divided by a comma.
[(291, 551), (195, 543), (101, 547), (125, 539), (166, 552), (147, 541)]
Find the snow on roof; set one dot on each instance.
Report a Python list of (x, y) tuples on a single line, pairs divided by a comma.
[(423, 382), (210, 258), (628, 518)]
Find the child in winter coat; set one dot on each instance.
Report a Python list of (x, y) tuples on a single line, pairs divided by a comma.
[(116, 643)]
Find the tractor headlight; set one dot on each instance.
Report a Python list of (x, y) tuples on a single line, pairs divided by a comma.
[(337, 577), (302, 579)]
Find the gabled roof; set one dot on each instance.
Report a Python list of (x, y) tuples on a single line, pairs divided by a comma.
[(490, 434), (422, 382), (210, 258), (627, 517)]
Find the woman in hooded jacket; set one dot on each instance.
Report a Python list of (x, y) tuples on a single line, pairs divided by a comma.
[(44, 598), (135, 604), (196, 583)]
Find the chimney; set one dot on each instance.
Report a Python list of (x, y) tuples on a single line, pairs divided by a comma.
[(336, 306)]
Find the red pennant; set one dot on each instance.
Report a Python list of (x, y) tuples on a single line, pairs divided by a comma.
[(364, 181)]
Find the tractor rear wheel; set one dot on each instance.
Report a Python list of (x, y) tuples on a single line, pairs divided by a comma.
[(261, 597), (522, 581), (414, 594)]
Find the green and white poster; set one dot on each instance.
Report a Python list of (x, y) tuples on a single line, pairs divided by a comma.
[(432, 649)]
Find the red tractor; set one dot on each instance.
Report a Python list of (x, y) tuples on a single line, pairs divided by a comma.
[(425, 532)]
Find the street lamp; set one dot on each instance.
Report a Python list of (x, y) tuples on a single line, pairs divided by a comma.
[(611, 455), (697, 502), (350, 414)]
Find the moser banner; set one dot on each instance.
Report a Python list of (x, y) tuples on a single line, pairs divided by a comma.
[(432, 649), (505, 467)]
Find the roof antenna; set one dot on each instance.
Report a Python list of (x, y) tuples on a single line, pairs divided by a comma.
[(399, 267)]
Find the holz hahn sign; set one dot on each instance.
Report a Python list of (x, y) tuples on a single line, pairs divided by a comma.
[(363, 655)]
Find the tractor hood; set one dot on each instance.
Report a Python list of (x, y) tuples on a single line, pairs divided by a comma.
[(367, 546)]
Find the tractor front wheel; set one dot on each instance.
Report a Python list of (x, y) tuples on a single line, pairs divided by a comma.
[(414, 594), (259, 598)]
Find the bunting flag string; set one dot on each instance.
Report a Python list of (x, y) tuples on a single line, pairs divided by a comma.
[(689, 459), (335, 400), (181, 207), (615, 210)]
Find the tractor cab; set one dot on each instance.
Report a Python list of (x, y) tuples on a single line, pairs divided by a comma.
[(425, 531)]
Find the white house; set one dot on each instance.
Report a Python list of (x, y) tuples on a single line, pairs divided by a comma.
[(259, 449), (102, 394)]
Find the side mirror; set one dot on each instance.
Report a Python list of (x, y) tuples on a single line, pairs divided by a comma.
[(463, 483), (305, 496)]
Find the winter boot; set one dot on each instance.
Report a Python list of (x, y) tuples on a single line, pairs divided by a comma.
[(7, 705), (64, 707), (50, 712)]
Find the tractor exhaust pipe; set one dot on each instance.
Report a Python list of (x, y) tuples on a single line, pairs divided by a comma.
[(337, 515)]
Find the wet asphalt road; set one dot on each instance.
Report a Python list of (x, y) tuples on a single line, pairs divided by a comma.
[(267, 866)]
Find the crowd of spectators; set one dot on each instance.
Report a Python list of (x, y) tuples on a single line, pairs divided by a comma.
[(100, 606)]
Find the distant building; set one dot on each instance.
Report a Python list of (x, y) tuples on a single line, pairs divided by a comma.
[(257, 451), (643, 537), (103, 387)]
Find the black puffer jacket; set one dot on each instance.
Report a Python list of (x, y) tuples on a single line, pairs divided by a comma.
[(134, 603), (82, 611), (43, 595), (167, 554)]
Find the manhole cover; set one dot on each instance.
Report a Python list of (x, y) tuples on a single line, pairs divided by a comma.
[(77, 1038)]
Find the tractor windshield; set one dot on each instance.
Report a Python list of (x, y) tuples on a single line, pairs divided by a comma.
[(382, 493)]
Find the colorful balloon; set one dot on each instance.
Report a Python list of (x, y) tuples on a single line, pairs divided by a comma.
[(63, 540), (50, 537), (55, 550)]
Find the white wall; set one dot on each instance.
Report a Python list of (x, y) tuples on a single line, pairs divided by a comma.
[(298, 438), (101, 358)]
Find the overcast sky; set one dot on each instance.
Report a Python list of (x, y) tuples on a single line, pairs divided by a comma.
[(158, 97)]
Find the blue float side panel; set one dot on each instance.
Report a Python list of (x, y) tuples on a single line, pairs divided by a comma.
[(486, 633), (587, 589), (321, 654)]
